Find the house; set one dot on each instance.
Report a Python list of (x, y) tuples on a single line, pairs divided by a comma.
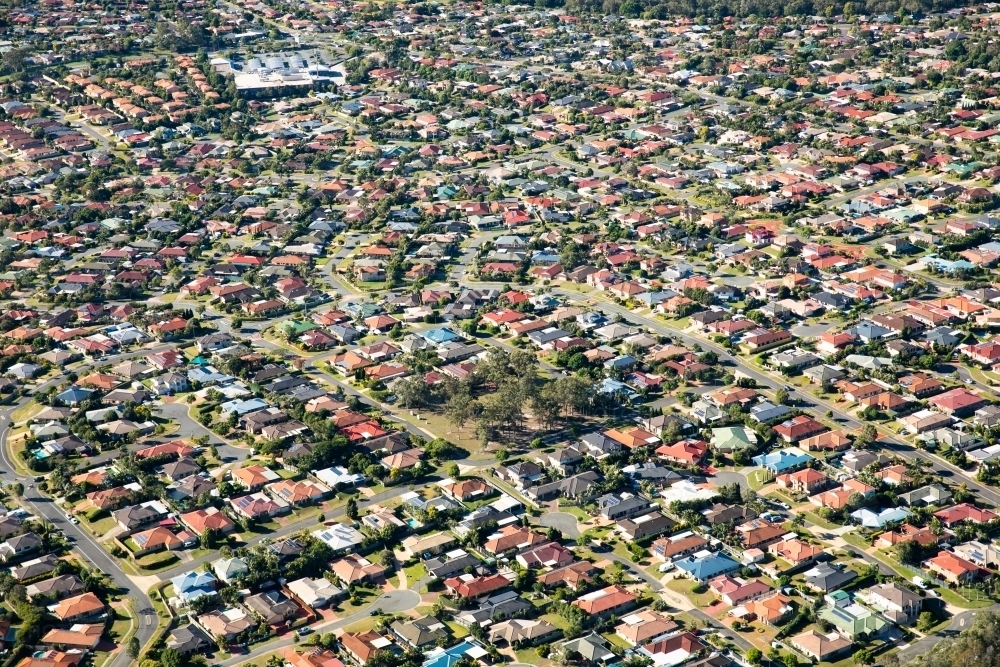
[(771, 609), (957, 402), (798, 428), (361, 647), (272, 607), (621, 506), (824, 648), (79, 609), (155, 539), (193, 585), (677, 546), (931, 494), (189, 640), (806, 481), (684, 452), (416, 546), (419, 632), (572, 576), (644, 626), (550, 555), (672, 650), (703, 566), (55, 588), (353, 568), (612, 600), (900, 605), (258, 506), (132, 518), (226, 624), (732, 438), (469, 489), (854, 621), (783, 460), (588, 650), (229, 570), (825, 577), (18, 546), (758, 534), (472, 587), (645, 526), (522, 632), (211, 518), (734, 591), (795, 552), (34, 568), (507, 604), (964, 512), (315, 593), (254, 477)]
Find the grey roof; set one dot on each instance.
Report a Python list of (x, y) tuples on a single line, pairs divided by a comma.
[(825, 577)]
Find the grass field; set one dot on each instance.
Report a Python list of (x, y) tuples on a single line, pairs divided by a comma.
[(685, 586), (758, 479), (26, 412), (414, 573)]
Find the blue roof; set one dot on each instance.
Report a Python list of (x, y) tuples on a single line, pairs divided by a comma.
[(707, 566), (243, 407), (74, 394), (449, 656), (442, 335), (193, 585), (786, 459), (612, 386)]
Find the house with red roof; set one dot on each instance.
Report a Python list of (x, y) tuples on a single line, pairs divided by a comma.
[(951, 568), (964, 512), (957, 402), (798, 428), (612, 600)]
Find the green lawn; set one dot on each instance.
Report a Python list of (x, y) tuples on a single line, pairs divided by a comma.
[(758, 479), (856, 540), (100, 527), (958, 599), (456, 630), (26, 412), (812, 517), (575, 511), (120, 626), (615, 640), (557, 620), (685, 586), (157, 562), (414, 573)]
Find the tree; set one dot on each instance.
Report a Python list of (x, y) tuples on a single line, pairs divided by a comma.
[(133, 647), (781, 396), (452, 470), (16, 489), (925, 621), (754, 655), (351, 509), (170, 657), (790, 660), (863, 658), (908, 552)]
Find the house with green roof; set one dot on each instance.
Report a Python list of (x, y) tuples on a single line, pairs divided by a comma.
[(854, 621), (732, 438)]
